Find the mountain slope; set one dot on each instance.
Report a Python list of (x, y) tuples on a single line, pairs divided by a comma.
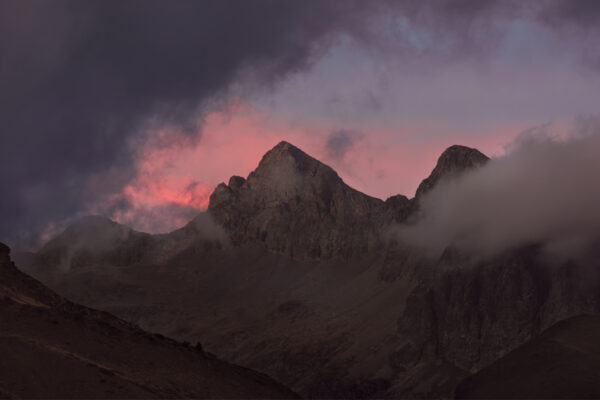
[(52, 348), (563, 362)]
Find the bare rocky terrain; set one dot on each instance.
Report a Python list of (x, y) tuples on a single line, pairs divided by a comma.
[(294, 274), (53, 348)]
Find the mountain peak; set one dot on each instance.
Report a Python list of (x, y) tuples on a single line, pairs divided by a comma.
[(457, 150), (284, 146), (284, 172), (285, 197), (454, 160), (287, 156)]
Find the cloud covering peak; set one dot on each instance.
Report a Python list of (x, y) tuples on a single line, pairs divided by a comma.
[(544, 191)]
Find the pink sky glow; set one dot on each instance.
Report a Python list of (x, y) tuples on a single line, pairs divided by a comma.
[(380, 162)]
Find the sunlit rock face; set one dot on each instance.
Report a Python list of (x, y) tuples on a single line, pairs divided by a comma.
[(298, 206)]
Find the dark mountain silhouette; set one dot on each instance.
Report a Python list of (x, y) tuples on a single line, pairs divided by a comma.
[(293, 273), (53, 348)]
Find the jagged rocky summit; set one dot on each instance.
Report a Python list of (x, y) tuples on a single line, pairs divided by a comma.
[(296, 205), (299, 206)]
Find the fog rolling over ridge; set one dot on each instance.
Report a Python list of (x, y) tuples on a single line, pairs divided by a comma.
[(545, 190)]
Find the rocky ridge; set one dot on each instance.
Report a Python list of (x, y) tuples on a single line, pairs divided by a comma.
[(336, 220)]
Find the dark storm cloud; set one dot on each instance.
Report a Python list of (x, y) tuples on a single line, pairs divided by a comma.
[(339, 142), (79, 79), (581, 13), (578, 20), (455, 29)]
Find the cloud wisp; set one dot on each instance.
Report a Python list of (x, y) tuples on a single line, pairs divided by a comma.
[(544, 191)]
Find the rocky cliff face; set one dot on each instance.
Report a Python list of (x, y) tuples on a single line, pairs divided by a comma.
[(298, 206), (476, 311)]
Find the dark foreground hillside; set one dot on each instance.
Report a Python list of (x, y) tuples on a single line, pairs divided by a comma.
[(52, 348), (563, 362)]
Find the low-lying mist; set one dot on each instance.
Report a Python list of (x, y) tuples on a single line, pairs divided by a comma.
[(545, 190)]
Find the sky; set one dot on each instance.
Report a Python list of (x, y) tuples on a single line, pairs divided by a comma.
[(136, 110)]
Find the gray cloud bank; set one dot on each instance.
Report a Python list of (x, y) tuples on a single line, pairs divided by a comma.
[(546, 191)]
